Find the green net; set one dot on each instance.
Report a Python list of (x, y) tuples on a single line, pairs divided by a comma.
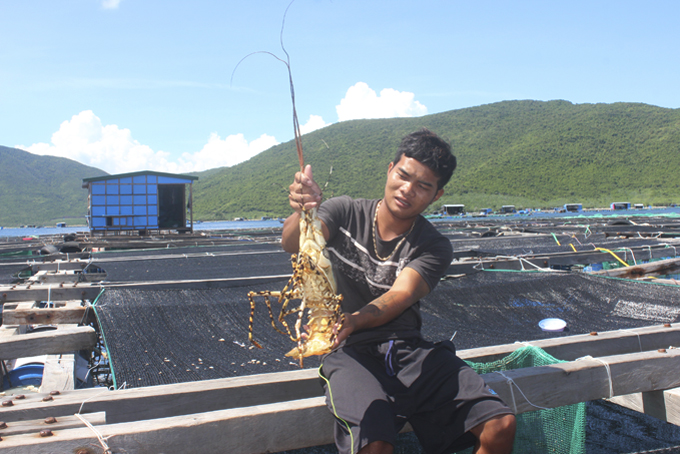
[(559, 430)]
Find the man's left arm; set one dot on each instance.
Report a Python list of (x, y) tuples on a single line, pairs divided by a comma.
[(408, 288)]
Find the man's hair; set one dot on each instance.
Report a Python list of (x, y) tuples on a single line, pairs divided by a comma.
[(429, 149)]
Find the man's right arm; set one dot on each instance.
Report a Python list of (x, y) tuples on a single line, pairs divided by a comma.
[(303, 192), (290, 237)]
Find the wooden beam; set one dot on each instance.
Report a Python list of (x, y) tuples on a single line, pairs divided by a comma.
[(65, 277), (62, 422), (530, 261), (59, 373), (59, 265), (307, 422), (267, 428), (162, 401), (663, 405), (38, 292), (48, 342), (586, 379), (46, 316), (633, 272), (208, 395), (605, 343)]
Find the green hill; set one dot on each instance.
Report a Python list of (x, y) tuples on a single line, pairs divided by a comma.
[(530, 154), (41, 190), (524, 153)]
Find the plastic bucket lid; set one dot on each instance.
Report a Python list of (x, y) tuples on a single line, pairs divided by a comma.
[(30, 374), (552, 324)]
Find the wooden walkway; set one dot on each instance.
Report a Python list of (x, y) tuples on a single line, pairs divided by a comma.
[(228, 415)]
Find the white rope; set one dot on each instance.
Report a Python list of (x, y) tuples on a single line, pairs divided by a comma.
[(92, 397), (511, 382), (479, 266), (525, 343), (100, 437), (637, 334), (609, 372)]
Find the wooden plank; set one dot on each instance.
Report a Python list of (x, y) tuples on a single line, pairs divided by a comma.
[(161, 401), (59, 373), (46, 316), (59, 265), (672, 402), (663, 405), (64, 277), (530, 261), (37, 292), (6, 330), (307, 422), (605, 343), (48, 342), (633, 272), (587, 379), (62, 422), (269, 428), (208, 395)]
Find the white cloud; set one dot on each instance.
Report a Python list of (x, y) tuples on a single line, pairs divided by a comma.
[(85, 139), (362, 102), (315, 122), (228, 152), (110, 4)]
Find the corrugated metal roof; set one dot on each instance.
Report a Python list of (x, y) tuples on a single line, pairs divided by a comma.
[(143, 172)]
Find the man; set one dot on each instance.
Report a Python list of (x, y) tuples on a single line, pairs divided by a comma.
[(386, 257)]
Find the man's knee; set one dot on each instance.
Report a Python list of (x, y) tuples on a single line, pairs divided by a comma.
[(377, 447), (497, 434)]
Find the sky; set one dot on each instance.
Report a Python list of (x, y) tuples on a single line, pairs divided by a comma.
[(181, 86)]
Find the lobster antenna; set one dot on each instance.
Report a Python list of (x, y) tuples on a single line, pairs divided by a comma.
[(296, 123)]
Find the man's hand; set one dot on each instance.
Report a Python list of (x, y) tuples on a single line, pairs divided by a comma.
[(304, 192), (343, 329)]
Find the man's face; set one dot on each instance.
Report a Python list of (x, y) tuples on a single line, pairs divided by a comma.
[(411, 187)]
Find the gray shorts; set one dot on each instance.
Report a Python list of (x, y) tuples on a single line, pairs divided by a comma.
[(373, 389)]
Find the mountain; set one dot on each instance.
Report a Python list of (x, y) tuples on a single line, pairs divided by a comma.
[(530, 154), (42, 190), (523, 153)]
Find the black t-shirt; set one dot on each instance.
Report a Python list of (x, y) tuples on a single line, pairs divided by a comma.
[(362, 277)]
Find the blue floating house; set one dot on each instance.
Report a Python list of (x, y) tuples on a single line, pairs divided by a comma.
[(140, 201)]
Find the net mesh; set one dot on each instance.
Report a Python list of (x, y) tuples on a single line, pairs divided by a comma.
[(558, 430)]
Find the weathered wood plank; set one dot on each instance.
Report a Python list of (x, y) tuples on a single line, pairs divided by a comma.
[(550, 260), (62, 422), (587, 379), (46, 316), (59, 373), (176, 399), (663, 405), (633, 272), (59, 265), (65, 277), (37, 292), (48, 342), (605, 343), (209, 395), (288, 426), (307, 422)]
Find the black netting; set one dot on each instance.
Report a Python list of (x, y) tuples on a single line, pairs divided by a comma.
[(170, 336), (158, 336), (194, 263), (499, 307)]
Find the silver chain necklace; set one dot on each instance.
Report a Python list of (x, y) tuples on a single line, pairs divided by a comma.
[(375, 236)]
